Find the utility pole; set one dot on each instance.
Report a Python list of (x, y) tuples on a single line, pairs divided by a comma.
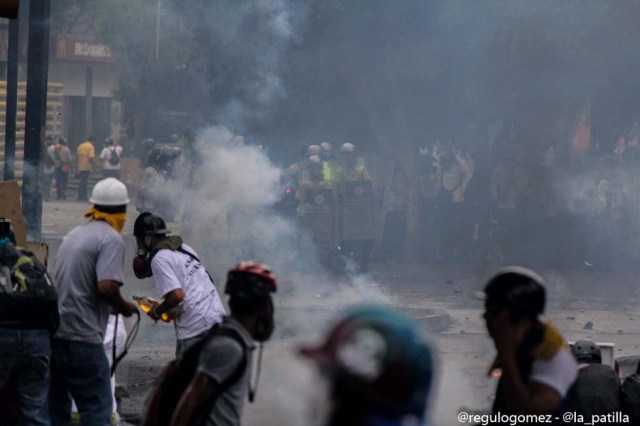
[(157, 30), (12, 100), (88, 101), (36, 114)]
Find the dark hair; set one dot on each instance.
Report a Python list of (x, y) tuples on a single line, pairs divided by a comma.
[(243, 307), (518, 290)]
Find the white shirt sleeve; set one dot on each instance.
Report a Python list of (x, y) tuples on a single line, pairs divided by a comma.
[(558, 373), (164, 277), (104, 154)]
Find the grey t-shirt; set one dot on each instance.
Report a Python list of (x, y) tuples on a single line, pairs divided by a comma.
[(89, 253), (219, 360)]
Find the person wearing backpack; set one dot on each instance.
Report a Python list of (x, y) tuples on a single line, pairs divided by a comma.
[(110, 156), (88, 273), (220, 366), (187, 291), (28, 317)]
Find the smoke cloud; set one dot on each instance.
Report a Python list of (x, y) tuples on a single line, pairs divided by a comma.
[(243, 49)]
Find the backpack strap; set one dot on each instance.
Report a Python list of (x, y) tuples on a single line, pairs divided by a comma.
[(203, 410), (194, 257)]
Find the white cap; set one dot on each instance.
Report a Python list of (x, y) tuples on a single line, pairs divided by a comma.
[(109, 192), (347, 147), (326, 146)]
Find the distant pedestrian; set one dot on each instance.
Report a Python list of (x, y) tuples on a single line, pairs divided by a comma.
[(85, 154), (49, 168), (88, 273), (537, 367), (154, 188), (62, 159), (110, 156)]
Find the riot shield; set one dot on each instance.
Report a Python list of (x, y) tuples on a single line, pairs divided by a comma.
[(316, 212), (357, 211)]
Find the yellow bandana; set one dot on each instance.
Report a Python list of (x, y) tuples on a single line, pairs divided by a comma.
[(552, 342), (116, 220)]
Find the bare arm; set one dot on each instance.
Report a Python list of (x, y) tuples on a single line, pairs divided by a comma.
[(528, 398), (520, 394), (171, 300), (199, 390), (110, 291)]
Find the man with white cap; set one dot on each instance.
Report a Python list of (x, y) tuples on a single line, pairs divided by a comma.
[(88, 273), (537, 366)]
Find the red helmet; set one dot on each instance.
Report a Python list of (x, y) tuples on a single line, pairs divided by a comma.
[(251, 279)]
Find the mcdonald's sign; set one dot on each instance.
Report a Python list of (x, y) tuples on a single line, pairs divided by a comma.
[(81, 49)]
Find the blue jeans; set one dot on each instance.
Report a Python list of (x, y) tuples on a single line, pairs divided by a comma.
[(183, 344), (80, 370), (24, 360)]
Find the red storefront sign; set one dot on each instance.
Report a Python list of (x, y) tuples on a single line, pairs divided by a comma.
[(66, 48), (81, 49)]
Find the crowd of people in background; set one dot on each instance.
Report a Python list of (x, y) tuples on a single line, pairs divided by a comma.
[(59, 164), (577, 207)]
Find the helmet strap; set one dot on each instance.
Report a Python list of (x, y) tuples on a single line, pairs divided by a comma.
[(253, 384)]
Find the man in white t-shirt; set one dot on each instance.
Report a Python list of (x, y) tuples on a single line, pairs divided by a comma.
[(188, 294), (110, 157), (537, 366)]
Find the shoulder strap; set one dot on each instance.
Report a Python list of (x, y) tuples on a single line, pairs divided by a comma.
[(194, 257), (205, 407)]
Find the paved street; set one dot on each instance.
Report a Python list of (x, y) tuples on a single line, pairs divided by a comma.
[(287, 385)]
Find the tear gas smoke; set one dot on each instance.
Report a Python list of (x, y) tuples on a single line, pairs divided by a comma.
[(228, 216), (246, 42)]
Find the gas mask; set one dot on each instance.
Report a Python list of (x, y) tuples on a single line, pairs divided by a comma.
[(142, 264)]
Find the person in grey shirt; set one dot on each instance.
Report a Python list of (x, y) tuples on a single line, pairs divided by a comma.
[(219, 387), (88, 273)]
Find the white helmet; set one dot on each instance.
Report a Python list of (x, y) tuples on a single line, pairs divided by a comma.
[(326, 146), (313, 150), (109, 192), (347, 147)]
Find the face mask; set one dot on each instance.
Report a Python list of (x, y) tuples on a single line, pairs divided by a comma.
[(142, 265), (265, 325)]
